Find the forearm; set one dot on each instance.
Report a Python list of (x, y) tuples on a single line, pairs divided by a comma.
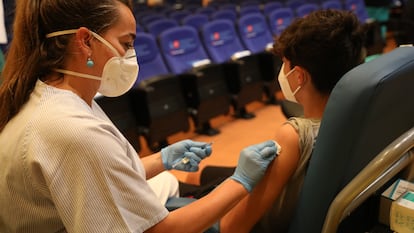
[(200, 215), (153, 165)]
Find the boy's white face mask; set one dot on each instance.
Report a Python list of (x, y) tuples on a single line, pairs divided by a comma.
[(119, 73), (284, 85)]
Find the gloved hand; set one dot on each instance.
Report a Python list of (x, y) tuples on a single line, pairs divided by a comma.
[(253, 162), (185, 155)]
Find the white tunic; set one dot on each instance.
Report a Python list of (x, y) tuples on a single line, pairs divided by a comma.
[(66, 168)]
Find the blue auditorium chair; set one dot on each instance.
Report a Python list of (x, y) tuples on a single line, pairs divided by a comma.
[(254, 32), (244, 3), (145, 20), (203, 83), (181, 48), (365, 135), (158, 26), (358, 7), (332, 4), (248, 9), (257, 37), (228, 6), (207, 10), (270, 6), (192, 7), (157, 97), (195, 20), (304, 9), (139, 28), (243, 72), (293, 4), (120, 111), (279, 19), (149, 57), (225, 14), (179, 15)]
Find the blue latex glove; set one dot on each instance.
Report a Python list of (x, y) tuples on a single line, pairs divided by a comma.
[(185, 155), (253, 162)]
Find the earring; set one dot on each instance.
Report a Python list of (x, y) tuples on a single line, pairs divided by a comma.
[(89, 62)]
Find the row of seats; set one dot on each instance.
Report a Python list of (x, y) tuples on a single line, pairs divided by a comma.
[(277, 20), (186, 74), (298, 8), (198, 73)]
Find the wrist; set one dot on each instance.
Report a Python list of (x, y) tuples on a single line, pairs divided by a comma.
[(248, 187), (164, 158)]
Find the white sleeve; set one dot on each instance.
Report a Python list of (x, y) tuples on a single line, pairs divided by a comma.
[(165, 185)]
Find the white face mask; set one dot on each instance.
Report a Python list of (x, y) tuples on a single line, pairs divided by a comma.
[(284, 85), (119, 73)]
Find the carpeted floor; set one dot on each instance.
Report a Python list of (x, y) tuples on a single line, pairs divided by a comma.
[(235, 135)]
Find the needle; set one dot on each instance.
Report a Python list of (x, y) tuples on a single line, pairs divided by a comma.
[(185, 160)]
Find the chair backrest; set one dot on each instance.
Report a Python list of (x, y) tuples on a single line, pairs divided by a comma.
[(293, 4), (358, 7), (149, 57), (228, 6), (248, 9), (224, 14), (369, 108), (181, 47), (120, 112), (195, 20), (207, 10), (145, 20), (332, 4), (221, 40), (279, 19), (139, 28), (304, 9), (270, 6), (254, 32), (160, 25), (179, 15), (244, 3)]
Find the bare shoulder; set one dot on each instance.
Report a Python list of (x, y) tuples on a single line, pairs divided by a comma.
[(287, 137), (288, 158)]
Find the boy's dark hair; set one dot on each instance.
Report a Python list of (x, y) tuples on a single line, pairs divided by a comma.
[(327, 43)]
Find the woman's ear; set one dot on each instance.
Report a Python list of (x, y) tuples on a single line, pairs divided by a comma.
[(83, 39)]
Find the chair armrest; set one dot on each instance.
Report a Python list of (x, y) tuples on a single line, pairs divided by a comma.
[(177, 202)]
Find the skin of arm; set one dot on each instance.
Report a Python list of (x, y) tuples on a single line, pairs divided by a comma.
[(201, 214), (153, 165), (243, 216)]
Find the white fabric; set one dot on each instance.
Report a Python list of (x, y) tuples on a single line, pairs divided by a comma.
[(3, 32), (66, 168), (164, 185)]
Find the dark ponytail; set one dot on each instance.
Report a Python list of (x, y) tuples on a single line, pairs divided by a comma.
[(22, 61), (31, 56)]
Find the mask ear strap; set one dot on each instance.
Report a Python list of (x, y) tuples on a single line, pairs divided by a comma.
[(73, 31), (296, 90), (101, 39), (61, 33)]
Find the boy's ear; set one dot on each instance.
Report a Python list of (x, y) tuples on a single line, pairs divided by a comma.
[(303, 75)]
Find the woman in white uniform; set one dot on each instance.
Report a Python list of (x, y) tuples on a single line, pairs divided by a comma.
[(65, 166)]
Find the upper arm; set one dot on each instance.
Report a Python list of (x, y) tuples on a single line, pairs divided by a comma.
[(252, 208)]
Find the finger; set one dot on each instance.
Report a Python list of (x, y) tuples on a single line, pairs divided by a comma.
[(263, 145), (192, 166), (192, 156), (199, 144), (201, 152), (268, 152)]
